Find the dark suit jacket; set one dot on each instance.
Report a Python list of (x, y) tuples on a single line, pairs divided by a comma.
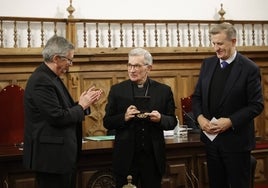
[(53, 124), (119, 99), (241, 101)]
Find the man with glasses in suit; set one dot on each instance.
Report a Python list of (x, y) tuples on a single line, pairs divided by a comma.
[(53, 121), (139, 109)]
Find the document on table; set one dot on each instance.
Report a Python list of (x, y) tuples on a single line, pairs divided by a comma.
[(211, 136), (99, 138)]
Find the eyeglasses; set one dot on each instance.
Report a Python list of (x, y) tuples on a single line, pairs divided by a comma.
[(70, 61), (135, 66)]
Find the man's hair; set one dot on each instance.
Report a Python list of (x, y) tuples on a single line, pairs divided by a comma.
[(148, 59), (225, 27), (56, 45)]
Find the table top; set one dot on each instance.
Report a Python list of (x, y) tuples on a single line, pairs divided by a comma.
[(193, 140)]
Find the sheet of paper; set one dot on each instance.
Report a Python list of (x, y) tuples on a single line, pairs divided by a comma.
[(169, 133), (211, 136), (99, 138)]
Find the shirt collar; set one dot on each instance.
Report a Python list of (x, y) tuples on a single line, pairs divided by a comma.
[(230, 59)]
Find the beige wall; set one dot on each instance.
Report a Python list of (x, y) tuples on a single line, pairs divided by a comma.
[(138, 9)]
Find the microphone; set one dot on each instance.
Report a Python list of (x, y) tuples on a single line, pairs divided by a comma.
[(192, 122), (187, 114)]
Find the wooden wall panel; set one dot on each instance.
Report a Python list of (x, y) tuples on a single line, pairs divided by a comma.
[(18, 79), (178, 71), (262, 130)]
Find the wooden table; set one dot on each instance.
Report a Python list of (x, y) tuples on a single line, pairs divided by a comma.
[(186, 164)]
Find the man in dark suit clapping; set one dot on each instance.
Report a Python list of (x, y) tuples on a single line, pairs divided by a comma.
[(53, 121)]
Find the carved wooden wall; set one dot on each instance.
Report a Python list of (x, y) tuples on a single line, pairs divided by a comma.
[(179, 70)]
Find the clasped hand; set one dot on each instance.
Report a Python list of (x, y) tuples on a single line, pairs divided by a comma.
[(89, 97), (220, 126)]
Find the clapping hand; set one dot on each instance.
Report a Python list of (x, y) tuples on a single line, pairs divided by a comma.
[(89, 97)]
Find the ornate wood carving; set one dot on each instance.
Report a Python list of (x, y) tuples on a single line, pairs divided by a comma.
[(179, 70), (102, 179)]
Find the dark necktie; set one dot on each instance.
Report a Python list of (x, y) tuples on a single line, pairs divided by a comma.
[(224, 64)]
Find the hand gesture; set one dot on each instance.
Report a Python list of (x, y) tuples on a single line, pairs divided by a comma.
[(89, 97), (131, 112), (154, 116)]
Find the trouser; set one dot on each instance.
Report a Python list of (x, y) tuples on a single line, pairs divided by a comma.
[(53, 180), (144, 172), (228, 169)]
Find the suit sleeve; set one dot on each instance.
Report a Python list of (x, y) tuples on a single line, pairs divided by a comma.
[(113, 119), (254, 99), (168, 118), (197, 95), (56, 109)]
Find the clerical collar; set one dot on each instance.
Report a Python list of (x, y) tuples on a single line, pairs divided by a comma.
[(140, 89), (140, 85)]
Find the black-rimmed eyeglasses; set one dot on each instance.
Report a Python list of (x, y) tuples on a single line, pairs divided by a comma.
[(135, 66)]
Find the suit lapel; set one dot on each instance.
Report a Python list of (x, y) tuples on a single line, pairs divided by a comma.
[(207, 81), (234, 75), (64, 92)]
